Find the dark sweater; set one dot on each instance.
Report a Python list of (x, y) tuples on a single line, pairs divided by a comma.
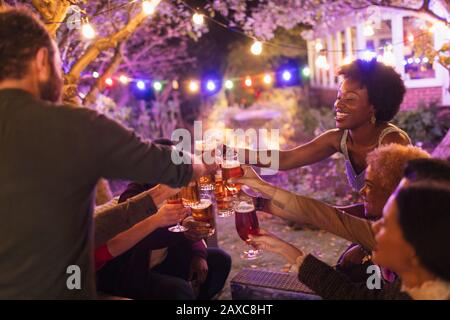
[(51, 157), (162, 237), (333, 285)]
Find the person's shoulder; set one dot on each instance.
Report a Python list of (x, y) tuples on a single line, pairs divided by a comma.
[(393, 134), (334, 137)]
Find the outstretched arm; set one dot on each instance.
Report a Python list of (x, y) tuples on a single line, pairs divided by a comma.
[(297, 208), (111, 219), (314, 151)]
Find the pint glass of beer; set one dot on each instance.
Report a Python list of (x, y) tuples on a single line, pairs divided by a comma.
[(231, 168), (203, 212), (224, 197), (205, 149), (246, 223), (190, 194)]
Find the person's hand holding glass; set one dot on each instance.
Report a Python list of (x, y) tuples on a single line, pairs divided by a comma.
[(246, 223)]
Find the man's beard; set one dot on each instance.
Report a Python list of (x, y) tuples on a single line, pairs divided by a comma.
[(51, 90)]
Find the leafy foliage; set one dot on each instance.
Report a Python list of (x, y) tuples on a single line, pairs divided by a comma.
[(424, 125)]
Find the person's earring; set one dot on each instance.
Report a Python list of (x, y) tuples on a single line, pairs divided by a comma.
[(373, 120)]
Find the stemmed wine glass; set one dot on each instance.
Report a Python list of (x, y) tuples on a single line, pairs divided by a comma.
[(246, 223)]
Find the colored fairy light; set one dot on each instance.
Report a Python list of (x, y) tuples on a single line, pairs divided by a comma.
[(140, 85), (248, 82), (157, 86), (210, 85), (267, 79), (124, 79), (229, 84), (286, 75), (306, 71), (194, 86), (109, 81)]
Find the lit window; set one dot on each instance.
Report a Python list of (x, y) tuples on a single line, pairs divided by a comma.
[(418, 40)]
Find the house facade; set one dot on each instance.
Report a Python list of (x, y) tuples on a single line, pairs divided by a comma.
[(403, 39)]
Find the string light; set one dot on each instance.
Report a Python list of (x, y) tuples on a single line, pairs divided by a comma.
[(109, 81), (267, 79), (306, 71), (193, 86), (368, 55), (229, 84), (210, 85), (157, 86), (256, 48), (388, 57), (87, 30), (140, 85), (95, 75), (248, 82), (286, 75), (198, 19), (124, 79), (148, 7)]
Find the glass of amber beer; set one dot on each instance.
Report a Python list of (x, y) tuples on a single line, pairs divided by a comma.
[(176, 199), (246, 223), (206, 150), (224, 197), (203, 212), (231, 168), (190, 194)]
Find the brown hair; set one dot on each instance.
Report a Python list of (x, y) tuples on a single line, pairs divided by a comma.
[(389, 162), (22, 35)]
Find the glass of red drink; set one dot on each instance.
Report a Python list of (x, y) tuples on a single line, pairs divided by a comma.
[(246, 224)]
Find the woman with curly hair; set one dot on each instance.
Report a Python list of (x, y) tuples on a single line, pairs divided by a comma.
[(368, 98)]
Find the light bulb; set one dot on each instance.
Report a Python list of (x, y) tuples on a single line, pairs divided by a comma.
[(267, 79), (256, 48), (198, 19), (87, 31), (157, 86), (229, 84), (193, 86)]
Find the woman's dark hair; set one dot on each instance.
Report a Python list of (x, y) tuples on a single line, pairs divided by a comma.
[(435, 169), (424, 217), (384, 86), (22, 35)]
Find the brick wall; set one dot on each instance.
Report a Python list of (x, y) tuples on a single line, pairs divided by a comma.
[(413, 97)]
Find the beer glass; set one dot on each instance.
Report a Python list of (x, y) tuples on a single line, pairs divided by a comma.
[(246, 223), (203, 147), (203, 212), (176, 199), (231, 168), (224, 197), (190, 194)]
